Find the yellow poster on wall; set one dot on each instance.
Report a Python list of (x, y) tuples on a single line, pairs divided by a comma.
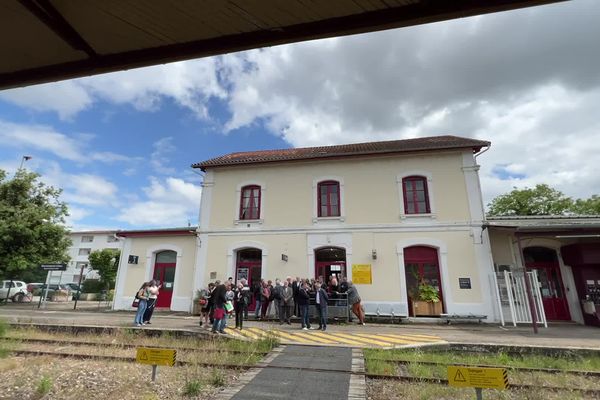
[(361, 274)]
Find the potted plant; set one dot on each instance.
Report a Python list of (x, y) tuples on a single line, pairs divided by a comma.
[(426, 300)]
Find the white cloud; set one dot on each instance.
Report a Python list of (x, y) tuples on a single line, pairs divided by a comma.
[(190, 84), (168, 202), (36, 137), (159, 157), (527, 80)]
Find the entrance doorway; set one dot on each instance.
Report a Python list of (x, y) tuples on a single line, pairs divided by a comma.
[(249, 267), (330, 262), (545, 262), (422, 271), (164, 272)]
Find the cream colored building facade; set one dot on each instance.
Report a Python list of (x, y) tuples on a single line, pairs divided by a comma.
[(168, 255), (273, 214)]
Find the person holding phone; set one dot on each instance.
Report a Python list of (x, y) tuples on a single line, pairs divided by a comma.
[(153, 296)]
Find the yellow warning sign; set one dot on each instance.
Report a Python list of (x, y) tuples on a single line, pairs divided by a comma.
[(154, 356), (484, 378), (361, 274)]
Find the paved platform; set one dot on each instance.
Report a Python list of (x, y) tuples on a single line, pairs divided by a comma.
[(563, 335), (337, 338), (306, 372)]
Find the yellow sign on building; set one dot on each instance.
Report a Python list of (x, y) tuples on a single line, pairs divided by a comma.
[(361, 274), (153, 356), (484, 378)]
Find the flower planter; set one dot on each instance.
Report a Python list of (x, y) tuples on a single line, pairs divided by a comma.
[(426, 308)]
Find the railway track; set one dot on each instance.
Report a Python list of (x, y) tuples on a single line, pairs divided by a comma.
[(519, 369), (592, 393), (121, 345)]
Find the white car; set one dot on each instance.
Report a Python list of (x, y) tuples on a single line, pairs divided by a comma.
[(18, 291)]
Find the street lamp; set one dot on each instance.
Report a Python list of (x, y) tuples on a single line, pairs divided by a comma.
[(25, 158)]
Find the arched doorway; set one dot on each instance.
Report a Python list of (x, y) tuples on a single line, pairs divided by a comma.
[(249, 267), (164, 272), (421, 266), (330, 262), (545, 262)]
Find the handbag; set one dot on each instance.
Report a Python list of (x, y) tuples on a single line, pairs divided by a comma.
[(219, 313), (203, 302), (136, 302)]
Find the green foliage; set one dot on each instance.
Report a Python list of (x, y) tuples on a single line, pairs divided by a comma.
[(541, 200), (428, 293), (589, 206), (32, 230), (192, 388), (217, 378), (92, 286), (3, 327), (44, 386), (106, 262)]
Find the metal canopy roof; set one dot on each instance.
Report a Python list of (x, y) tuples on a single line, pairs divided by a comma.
[(49, 40)]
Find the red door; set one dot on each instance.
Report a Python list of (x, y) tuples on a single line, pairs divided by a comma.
[(251, 271), (165, 274), (421, 267), (553, 291)]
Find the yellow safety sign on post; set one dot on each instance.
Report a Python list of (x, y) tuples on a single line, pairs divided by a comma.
[(154, 356), (482, 378)]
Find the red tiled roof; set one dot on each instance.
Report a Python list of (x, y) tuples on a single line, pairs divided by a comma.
[(345, 150)]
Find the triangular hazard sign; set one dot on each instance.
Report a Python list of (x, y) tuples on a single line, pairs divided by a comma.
[(143, 356), (459, 377)]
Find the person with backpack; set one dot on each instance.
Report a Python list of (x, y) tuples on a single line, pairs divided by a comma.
[(142, 295)]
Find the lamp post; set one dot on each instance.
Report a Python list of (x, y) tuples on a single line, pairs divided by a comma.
[(23, 159)]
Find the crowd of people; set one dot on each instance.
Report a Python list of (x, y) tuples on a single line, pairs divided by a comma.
[(281, 299)]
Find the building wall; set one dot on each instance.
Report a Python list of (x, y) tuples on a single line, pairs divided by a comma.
[(99, 242), (505, 252), (131, 276), (371, 190)]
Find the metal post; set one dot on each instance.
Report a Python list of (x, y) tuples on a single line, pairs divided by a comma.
[(479, 394), (79, 287), (154, 368), (47, 287), (527, 287)]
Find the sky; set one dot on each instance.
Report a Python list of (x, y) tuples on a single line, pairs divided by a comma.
[(120, 145)]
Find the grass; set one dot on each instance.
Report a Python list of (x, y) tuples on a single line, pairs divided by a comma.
[(217, 378), (566, 362), (43, 387), (380, 362), (192, 388)]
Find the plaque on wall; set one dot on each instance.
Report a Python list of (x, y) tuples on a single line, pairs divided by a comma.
[(464, 283)]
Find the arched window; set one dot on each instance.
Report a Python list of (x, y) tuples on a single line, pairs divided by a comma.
[(416, 197), (329, 199), (250, 202)]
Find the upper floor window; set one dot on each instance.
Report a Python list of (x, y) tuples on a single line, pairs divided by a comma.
[(250, 202), (85, 252), (416, 198), (87, 239), (329, 199), (112, 239)]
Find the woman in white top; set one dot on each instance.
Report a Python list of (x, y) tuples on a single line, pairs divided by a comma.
[(152, 297)]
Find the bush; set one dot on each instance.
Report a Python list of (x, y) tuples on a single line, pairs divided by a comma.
[(192, 388), (92, 286), (44, 386)]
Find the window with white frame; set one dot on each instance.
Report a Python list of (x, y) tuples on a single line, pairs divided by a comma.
[(112, 239), (85, 252), (87, 239)]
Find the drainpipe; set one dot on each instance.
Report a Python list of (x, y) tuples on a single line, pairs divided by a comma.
[(527, 286)]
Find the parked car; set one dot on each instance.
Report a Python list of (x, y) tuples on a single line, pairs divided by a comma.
[(73, 286), (18, 290), (39, 291), (33, 287)]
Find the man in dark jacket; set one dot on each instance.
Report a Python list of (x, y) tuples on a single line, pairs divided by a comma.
[(296, 287), (303, 301), (321, 299), (219, 313)]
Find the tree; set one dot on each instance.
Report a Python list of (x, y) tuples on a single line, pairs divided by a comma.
[(589, 206), (541, 200), (32, 230), (106, 262)]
